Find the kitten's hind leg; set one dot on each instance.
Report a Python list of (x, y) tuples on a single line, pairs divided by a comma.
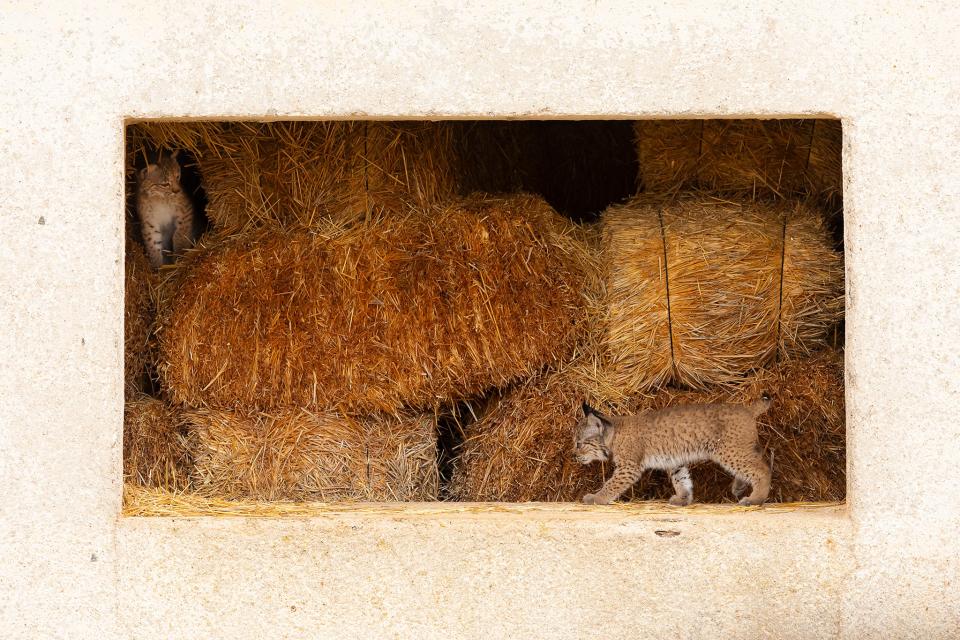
[(682, 487), (759, 477), (622, 479), (749, 468)]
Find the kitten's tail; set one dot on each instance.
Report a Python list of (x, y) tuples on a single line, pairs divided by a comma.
[(759, 406)]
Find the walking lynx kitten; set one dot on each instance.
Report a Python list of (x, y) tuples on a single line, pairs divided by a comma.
[(166, 212), (672, 438)]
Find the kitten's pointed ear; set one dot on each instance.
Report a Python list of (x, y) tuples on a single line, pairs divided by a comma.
[(587, 409), (595, 426), (142, 173)]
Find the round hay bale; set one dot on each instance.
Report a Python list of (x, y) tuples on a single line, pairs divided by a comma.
[(403, 310), (295, 173), (521, 447), (139, 281), (701, 291), (154, 446), (297, 455), (760, 157)]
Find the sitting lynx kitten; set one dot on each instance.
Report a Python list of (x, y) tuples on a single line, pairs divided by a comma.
[(672, 438), (166, 212)]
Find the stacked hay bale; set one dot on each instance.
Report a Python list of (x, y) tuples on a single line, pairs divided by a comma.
[(305, 183), (409, 309), (310, 354), (762, 158), (701, 291), (298, 455), (347, 295), (717, 288)]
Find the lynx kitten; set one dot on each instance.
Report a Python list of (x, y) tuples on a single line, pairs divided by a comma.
[(166, 212), (672, 438)]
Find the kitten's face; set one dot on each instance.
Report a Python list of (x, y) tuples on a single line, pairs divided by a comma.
[(163, 175), (589, 443)]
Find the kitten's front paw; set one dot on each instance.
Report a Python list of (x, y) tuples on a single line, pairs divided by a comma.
[(677, 501), (747, 502), (589, 498)]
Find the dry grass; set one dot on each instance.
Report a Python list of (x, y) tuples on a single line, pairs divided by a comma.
[(297, 455), (296, 173), (521, 448), (155, 453), (825, 166), (402, 310), (759, 157), (713, 311), (139, 281), (144, 502), (668, 152)]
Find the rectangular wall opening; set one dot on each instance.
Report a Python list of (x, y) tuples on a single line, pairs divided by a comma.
[(393, 312)]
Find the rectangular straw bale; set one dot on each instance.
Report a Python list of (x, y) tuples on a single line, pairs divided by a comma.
[(297, 455), (155, 453), (759, 157), (410, 309), (521, 447), (700, 291)]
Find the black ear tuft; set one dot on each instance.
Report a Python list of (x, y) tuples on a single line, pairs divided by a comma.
[(587, 409)]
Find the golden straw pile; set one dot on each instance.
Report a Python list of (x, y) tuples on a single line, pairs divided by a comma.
[(410, 309)]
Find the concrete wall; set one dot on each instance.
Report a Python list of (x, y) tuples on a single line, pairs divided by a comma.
[(70, 567)]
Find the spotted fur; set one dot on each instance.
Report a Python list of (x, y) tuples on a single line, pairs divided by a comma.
[(672, 438), (166, 212)]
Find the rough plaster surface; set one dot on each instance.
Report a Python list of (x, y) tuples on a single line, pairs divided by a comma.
[(70, 567)]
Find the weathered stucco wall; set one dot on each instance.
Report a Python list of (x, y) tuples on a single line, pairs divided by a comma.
[(70, 567)]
